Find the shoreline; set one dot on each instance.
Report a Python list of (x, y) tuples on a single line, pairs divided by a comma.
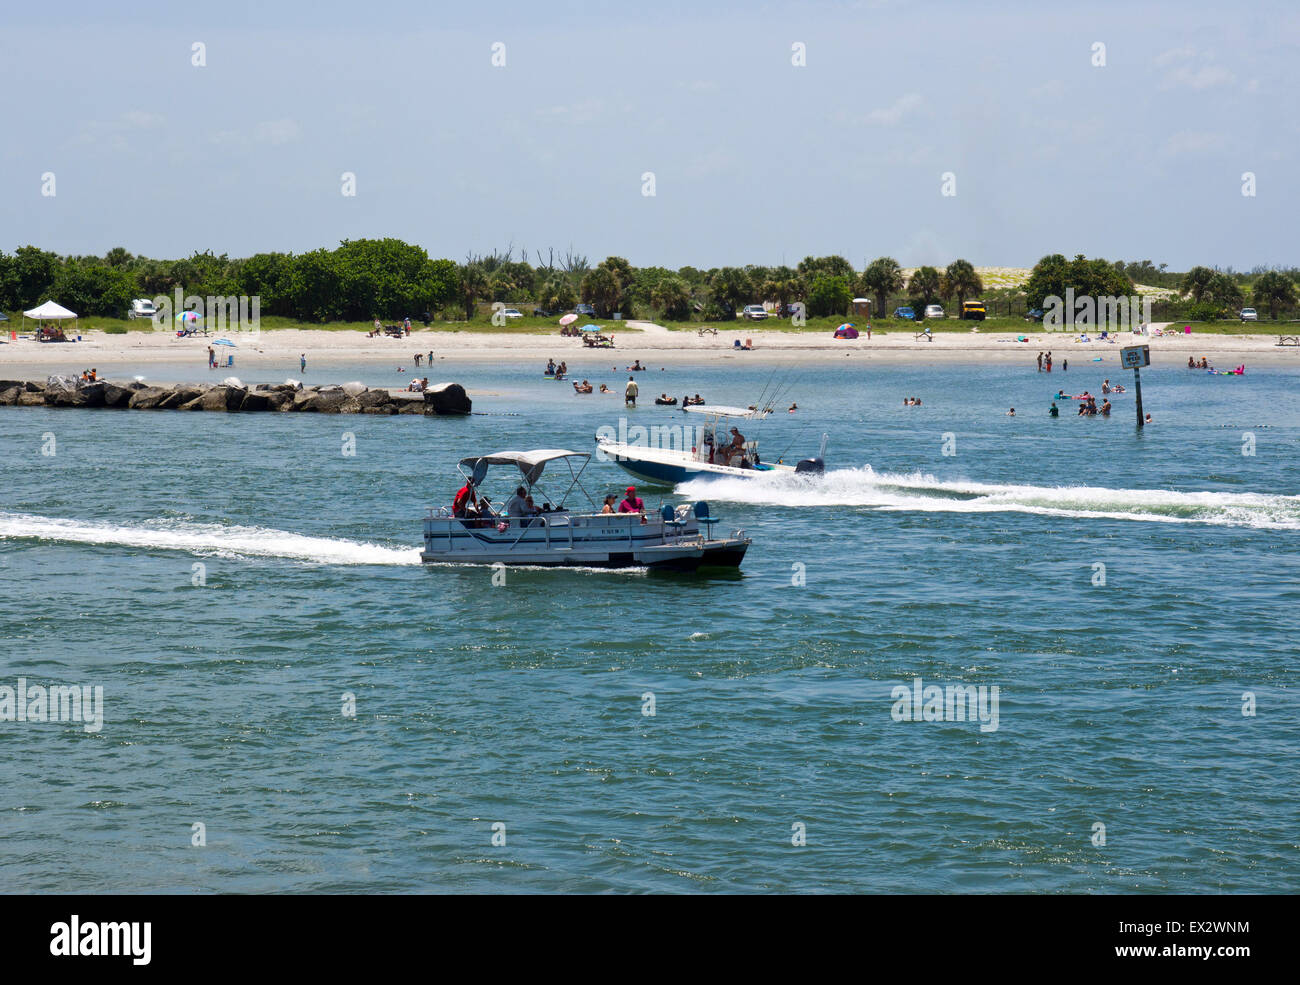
[(281, 348)]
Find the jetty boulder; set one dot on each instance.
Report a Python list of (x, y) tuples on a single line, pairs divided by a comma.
[(9, 394), (29, 398), (447, 398), (181, 394), (149, 397), (116, 395)]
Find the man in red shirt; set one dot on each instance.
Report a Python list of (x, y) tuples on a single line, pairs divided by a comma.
[(464, 499), (632, 503)]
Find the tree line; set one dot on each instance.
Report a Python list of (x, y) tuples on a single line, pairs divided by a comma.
[(390, 279)]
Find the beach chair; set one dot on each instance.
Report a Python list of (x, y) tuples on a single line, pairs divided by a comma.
[(923, 335)]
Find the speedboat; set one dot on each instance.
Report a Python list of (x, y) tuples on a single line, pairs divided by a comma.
[(674, 537), (701, 454)]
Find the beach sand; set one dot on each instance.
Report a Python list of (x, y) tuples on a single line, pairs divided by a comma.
[(279, 349)]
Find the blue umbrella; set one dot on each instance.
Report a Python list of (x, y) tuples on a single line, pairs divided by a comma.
[(590, 328), (185, 316), (225, 342)]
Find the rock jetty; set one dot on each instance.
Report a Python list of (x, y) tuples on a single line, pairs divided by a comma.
[(232, 396)]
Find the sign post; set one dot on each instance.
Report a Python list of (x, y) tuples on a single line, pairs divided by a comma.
[(1136, 356)]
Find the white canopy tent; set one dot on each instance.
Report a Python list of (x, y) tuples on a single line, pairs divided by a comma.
[(49, 311)]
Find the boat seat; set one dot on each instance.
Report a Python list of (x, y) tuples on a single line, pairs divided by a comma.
[(670, 516), (702, 514)]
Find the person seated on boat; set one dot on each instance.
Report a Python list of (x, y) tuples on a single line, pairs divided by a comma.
[(736, 446), (609, 504), (464, 501), (486, 514), (632, 503), (550, 367), (517, 505)]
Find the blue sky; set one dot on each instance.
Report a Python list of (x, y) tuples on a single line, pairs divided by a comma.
[(755, 160)]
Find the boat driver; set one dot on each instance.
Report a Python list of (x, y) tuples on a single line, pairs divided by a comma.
[(464, 500)]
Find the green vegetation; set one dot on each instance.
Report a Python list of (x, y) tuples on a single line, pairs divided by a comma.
[(362, 280)]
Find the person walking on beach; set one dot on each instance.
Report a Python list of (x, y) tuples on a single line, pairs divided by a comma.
[(302, 362), (1040, 362), (630, 392)]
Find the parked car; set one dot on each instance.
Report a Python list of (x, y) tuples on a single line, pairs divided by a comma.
[(1249, 314), (141, 308), (543, 313), (1034, 314), (905, 312), (754, 312), (973, 310), (511, 313), (934, 311), (792, 308), (584, 309)]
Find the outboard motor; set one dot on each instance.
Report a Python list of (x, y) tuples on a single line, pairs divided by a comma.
[(810, 466)]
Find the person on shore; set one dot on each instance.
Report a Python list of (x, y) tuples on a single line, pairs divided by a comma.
[(212, 358), (1055, 411), (378, 329), (406, 324), (632, 503), (609, 504), (302, 362), (1040, 362), (629, 392)]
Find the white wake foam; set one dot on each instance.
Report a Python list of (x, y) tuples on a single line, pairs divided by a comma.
[(924, 493), (204, 539)]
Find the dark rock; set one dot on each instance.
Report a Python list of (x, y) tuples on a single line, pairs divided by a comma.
[(373, 398), (116, 396), (182, 393), (9, 394), (10, 384), (28, 399), (34, 387), (149, 397), (448, 398), (255, 402)]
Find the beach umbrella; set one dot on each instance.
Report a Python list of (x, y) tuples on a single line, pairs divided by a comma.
[(590, 328), (847, 324), (225, 342), (188, 316), (568, 319)]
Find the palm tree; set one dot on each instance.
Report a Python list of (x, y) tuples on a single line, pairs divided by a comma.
[(924, 287), (600, 289), (1274, 290), (960, 279), (1195, 281), (474, 284), (882, 278)]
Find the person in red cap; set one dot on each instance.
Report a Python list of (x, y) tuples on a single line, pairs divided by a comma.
[(632, 503)]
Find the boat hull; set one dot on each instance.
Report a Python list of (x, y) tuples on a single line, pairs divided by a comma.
[(666, 469)]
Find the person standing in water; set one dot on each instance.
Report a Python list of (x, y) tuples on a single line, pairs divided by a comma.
[(302, 362), (630, 392), (1040, 362)]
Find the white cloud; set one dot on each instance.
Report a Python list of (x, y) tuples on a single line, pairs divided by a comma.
[(1194, 142), (891, 116), (1192, 69)]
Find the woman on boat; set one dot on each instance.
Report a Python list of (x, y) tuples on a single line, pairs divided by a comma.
[(609, 504)]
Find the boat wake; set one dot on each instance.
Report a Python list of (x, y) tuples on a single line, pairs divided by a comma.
[(924, 493), (209, 539)]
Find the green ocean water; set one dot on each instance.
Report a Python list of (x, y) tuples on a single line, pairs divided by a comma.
[(523, 706)]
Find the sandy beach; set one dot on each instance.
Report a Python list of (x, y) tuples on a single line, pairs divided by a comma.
[(281, 348)]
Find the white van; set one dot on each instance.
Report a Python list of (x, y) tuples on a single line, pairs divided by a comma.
[(141, 308)]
